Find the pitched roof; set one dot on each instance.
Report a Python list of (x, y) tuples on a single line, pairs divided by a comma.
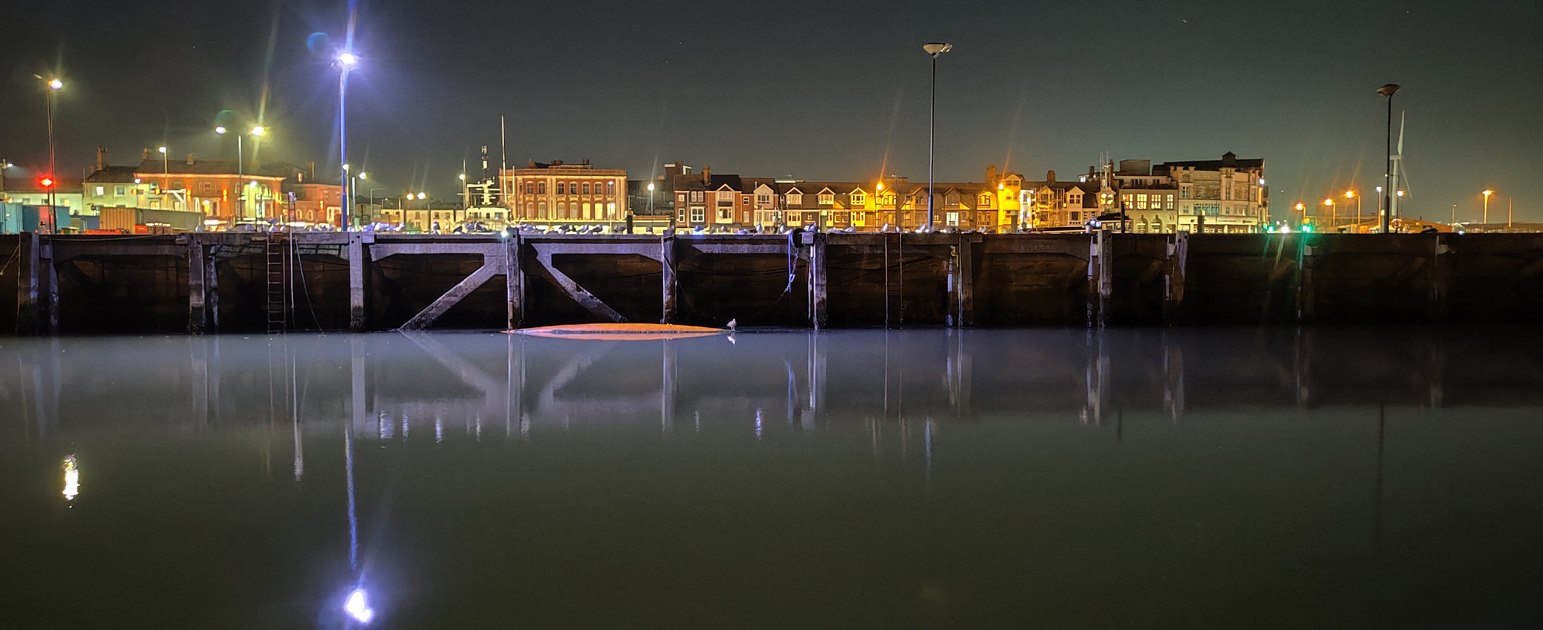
[(207, 167), (112, 175)]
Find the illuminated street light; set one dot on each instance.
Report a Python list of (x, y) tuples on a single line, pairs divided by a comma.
[(650, 197), (346, 60), (54, 85), (1487, 193), (933, 49), (1333, 212), (1350, 194), (258, 131)]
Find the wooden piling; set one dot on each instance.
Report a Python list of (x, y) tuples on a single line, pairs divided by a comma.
[(198, 291)]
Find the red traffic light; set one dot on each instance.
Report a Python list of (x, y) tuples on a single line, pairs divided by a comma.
[(46, 182)]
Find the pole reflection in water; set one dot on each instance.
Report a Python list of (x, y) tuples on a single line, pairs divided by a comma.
[(1398, 466)]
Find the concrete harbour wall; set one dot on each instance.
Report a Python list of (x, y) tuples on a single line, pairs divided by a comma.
[(360, 281)]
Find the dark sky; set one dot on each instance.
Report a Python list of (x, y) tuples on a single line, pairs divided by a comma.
[(811, 89)]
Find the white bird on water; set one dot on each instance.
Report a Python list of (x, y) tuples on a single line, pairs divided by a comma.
[(733, 323)]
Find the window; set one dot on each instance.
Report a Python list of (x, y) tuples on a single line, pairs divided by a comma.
[(725, 197), (541, 188), (118, 191), (985, 200), (696, 195), (101, 190), (858, 198), (541, 208), (795, 199), (1141, 201), (827, 199), (586, 188), (610, 189), (610, 210), (530, 188), (725, 214), (562, 209), (698, 214), (562, 188), (1170, 201), (953, 218), (530, 210)]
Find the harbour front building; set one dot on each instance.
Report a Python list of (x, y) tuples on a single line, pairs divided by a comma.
[(556, 193)]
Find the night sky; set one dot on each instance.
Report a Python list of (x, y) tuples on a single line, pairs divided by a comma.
[(832, 90)]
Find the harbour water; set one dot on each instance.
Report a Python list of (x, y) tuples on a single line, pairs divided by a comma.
[(926, 478)]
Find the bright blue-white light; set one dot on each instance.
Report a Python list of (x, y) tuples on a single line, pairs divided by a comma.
[(358, 606), (347, 60)]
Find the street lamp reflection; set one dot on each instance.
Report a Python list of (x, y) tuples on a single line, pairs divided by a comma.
[(71, 478)]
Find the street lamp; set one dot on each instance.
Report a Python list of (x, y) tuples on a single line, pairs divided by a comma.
[(1487, 193), (650, 198), (54, 85), (346, 60), (256, 132), (1350, 194), (1333, 213), (1388, 91), (933, 49)]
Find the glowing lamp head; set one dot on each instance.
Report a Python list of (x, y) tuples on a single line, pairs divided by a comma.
[(937, 48), (1400, 193), (364, 175), (55, 84), (650, 187), (46, 182), (162, 150), (259, 131), (421, 196), (1486, 193), (347, 60), (1350, 194), (1328, 201), (219, 129), (357, 605), (462, 177)]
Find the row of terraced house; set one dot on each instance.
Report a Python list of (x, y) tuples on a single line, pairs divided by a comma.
[(1226, 195)]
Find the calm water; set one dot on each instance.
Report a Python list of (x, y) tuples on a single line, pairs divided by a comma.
[(849, 479)]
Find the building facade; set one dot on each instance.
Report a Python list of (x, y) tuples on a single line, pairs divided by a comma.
[(558, 193), (219, 189)]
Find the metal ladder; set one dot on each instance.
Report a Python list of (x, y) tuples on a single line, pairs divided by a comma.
[(276, 252)]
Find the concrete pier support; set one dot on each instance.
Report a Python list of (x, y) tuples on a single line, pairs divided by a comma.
[(514, 284), (668, 284), (198, 289), (818, 274), (358, 320), (1173, 281), (28, 287)]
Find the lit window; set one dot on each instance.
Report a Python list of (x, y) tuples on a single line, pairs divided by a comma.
[(698, 214), (610, 209), (827, 199), (725, 214), (696, 195), (795, 199), (858, 199)]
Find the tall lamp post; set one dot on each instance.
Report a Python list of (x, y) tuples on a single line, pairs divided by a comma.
[(256, 132), (933, 49), (1487, 193), (1350, 194), (1328, 202), (650, 198), (54, 85), (346, 61), (1387, 187)]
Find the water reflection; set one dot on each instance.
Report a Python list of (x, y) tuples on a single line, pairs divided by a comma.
[(1045, 448), (451, 383)]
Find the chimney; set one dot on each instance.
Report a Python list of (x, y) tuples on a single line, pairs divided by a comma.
[(310, 168), (991, 174), (707, 174), (101, 158), (144, 155), (1050, 177), (192, 157)]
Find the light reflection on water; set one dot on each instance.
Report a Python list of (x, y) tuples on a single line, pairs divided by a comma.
[(868, 478)]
